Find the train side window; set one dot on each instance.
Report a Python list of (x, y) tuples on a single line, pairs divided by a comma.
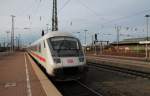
[(44, 44), (39, 47)]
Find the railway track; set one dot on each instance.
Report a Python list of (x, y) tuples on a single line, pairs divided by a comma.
[(76, 88), (122, 70)]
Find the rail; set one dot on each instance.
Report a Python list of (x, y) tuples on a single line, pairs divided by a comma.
[(76, 88), (123, 70)]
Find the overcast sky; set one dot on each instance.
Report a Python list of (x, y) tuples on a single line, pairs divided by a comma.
[(97, 16)]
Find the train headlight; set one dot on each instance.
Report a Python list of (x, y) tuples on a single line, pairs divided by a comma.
[(57, 60), (81, 59)]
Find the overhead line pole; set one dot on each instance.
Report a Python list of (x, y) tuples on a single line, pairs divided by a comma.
[(118, 30), (85, 36), (146, 50), (54, 17), (7, 37), (85, 39), (12, 34)]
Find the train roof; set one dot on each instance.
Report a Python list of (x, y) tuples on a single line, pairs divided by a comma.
[(52, 34)]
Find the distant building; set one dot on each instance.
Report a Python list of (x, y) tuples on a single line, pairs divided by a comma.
[(131, 44)]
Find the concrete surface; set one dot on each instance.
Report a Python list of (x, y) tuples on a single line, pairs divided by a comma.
[(17, 77)]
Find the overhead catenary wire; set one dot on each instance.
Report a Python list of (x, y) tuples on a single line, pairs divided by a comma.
[(129, 16), (91, 10), (114, 20), (117, 19), (38, 7), (65, 4), (28, 8)]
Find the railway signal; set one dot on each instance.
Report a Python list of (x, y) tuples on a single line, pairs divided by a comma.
[(96, 37), (42, 32)]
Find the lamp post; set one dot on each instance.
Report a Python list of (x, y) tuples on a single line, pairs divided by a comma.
[(8, 39), (146, 49), (85, 36), (18, 41), (4, 42), (85, 39)]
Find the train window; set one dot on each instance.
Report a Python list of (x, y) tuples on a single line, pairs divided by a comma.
[(65, 46), (39, 47), (64, 43)]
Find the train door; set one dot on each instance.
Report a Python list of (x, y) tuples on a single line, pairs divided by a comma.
[(43, 51)]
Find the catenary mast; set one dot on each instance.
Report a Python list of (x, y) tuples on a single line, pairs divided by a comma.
[(54, 16)]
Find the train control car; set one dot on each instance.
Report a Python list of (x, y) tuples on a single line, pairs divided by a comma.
[(60, 54)]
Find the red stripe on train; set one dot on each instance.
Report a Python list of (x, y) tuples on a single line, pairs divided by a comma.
[(39, 57)]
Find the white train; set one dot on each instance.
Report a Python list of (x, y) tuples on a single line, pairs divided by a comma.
[(60, 54)]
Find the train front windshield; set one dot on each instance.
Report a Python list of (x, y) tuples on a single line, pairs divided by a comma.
[(66, 46)]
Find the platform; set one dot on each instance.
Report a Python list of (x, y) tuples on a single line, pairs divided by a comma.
[(19, 78)]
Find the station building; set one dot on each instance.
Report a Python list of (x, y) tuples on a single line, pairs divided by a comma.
[(132, 44)]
